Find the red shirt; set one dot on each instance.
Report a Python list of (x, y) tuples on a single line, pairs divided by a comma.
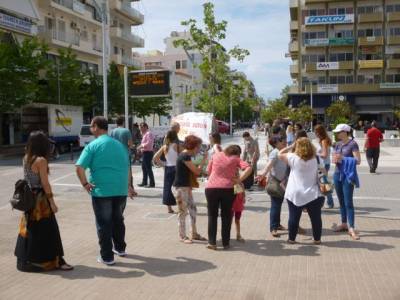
[(222, 169), (374, 137)]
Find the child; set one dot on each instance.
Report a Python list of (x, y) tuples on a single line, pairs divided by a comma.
[(237, 209)]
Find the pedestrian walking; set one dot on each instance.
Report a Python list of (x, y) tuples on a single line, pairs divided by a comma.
[(170, 150), (109, 185), (39, 247), (346, 157), (324, 153), (222, 170), (302, 190), (251, 155), (255, 129), (276, 172), (146, 147), (185, 180), (372, 146)]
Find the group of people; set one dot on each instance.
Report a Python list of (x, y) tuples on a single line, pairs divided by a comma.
[(292, 174)]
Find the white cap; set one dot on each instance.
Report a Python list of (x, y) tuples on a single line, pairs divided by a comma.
[(342, 127)]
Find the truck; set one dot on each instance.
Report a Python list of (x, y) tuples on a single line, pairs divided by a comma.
[(62, 123)]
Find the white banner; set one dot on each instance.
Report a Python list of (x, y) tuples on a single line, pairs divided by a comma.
[(328, 88), (321, 66), (198, 124), (329, 19)]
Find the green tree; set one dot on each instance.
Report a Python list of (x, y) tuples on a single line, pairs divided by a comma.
[(143, 107), (277, 108), (20, 66), (339, 112), (302, 114), (215, 95)]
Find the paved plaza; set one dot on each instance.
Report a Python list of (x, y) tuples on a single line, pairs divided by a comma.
[(160, 267)]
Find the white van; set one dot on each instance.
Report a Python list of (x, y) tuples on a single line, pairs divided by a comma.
[(86, 136)]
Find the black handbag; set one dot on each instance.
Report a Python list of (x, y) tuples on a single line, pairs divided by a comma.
[(274, 188), (23, 198)]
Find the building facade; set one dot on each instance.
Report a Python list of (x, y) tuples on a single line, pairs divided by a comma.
[(348, 51)]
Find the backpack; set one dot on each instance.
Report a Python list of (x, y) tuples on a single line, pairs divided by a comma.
[(23, 198)]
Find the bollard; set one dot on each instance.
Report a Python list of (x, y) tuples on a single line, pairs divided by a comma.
[(72, 151)]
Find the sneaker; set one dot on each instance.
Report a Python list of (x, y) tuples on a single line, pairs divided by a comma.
[(119, 253), (106, 262)]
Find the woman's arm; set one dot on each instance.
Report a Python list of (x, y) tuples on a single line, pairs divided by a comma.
[(357, 156), (324, 149), (267, 169), (42, 167), (196, 170), (157, 156), (245, 174), (284, 152)]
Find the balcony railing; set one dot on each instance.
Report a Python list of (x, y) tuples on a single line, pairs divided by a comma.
[(57, 35), (393, 63), (370, 41), (393, 16), (294, 46), (375, 17), (393, 40), (124, 8)]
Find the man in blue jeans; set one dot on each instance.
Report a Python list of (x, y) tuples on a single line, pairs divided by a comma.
[(108, 184)]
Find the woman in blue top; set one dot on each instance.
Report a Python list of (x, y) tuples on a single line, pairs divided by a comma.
[(345, 148)]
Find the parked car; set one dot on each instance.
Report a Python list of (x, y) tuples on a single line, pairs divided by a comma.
[(86, 136), (223, 127)]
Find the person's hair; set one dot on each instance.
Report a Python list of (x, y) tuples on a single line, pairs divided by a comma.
[(276, 130), (120, 121), (216, 137), (299, 126), (233, 150), (246, 134), (135, 125), (143, 124), (273, 141), (191, 142), (38, 145), (301, 134), (321, 133), (175, 125), (374, 124), (100, 122), (170, 138), (304, 149)]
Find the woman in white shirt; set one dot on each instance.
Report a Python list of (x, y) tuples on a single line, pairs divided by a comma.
[(302, 190)]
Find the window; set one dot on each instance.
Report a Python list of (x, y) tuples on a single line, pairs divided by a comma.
[(178, 64), (341, 57), (394, 31), (377, 79), (321, 80), (84, 35), (115, 50), (369, 9), (393, 8), (370, 32), (393, 78), (184, 64)]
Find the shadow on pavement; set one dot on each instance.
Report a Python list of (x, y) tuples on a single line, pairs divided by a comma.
[(86, 272), (161, 267), (357, 245)]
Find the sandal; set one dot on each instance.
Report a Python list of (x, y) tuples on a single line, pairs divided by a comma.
[(211, 247), (275, 233), (186, 240), (317, 242), (340, 228), (66, 267), (239, 238), (280, 227), (353, 234), (198, 237)]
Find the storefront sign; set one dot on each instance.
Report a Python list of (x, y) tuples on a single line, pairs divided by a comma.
[(322, 66), (15, 23), (330, 19), (390, 85), (370, 64), (341, 41), (328, 88), (316, 42)]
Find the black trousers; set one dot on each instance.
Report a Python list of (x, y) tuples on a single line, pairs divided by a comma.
[(217, 198), (147, 167), (372, 158)]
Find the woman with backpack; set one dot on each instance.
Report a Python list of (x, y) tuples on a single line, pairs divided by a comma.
[(39, 247)]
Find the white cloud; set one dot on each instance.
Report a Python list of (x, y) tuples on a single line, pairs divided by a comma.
[(261, 26)]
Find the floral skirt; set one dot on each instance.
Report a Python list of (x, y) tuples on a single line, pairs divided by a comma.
[(39, 246)]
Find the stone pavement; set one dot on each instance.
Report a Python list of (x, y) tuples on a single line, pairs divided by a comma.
[(160, 267)]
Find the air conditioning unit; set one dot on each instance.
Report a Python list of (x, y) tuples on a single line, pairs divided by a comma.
[(74, 25)]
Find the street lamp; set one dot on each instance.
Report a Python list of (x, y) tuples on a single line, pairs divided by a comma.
[(234, 82), (191, 58), (312, 102), (103, 10)]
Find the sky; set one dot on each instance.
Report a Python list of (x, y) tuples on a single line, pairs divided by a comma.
[(260, 26)]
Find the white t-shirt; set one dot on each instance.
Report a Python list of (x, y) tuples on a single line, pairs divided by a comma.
[(302, 186)]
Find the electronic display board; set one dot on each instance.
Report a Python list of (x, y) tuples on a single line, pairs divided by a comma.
[(148, 83)]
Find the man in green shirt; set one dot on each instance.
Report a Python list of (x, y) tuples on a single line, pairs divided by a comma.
[(109, 185), (122, 134)]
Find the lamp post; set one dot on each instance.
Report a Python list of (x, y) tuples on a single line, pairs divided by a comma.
[(191, 58)]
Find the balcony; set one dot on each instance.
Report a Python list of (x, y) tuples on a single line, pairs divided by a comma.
[(393, 63), (370, 41), (393, 40), (72, 7), (376, 17), (294, 89), (294, 47), (393, 17), (370, 64), (135, 40), (124, 8), (358, 87), (294, 6), (294, 70), (294, 25), (125, 60)]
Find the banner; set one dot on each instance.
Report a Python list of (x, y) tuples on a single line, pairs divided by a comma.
[(329, 19), (316, 42), (390, 85), (328, 88), (198, 124), (322, 66), (370, 64), (329, 42)]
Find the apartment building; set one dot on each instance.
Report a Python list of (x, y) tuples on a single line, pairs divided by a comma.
[(347, 51), (186, 77)]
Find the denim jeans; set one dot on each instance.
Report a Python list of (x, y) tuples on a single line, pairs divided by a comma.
[(110, 224), (314, 212), (275, 213), (344, 192), (147, 168), (329, 197)]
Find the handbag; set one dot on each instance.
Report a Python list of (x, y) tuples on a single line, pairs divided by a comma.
[(325, 186), (23, 198), (274, 188)]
